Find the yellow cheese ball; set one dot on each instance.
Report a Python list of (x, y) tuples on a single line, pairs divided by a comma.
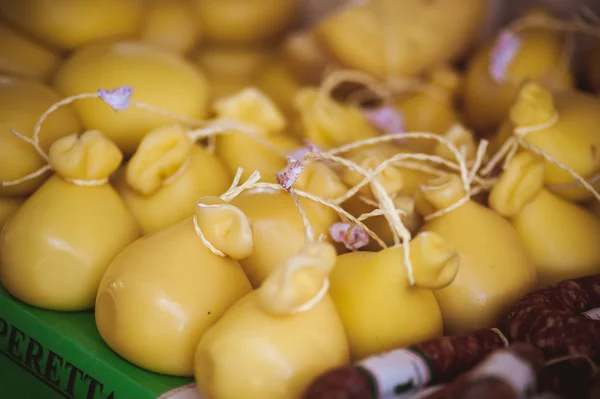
[(22, 102), (328, 123), (23, 57), (245, 21), (158, 78), (165, 177), (540, 55), (260, 145), (268, 345), (495, 268), (378, 307), (389, 38), (561, 237), (68, 24), (232, 69), (564, 127), (8, 206), (281, 85), (171, 25), (276, 224), (431, 109), (278, 229), (162, 292), (56, 247)]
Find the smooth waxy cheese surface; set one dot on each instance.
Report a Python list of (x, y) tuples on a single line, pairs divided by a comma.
[(264, 346), (171, 25), (158, 78), (167, 175), (160, 295), (564, 126), (400, 37), (540, 56), (56, 247), (495, 267), (378, 307), (258, 145), (561, 237), (23, 57), (68, 24), (22, 102), (242, 21)]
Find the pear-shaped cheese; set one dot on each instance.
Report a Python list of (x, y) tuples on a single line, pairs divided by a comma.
[(563, 126), (22, 102), (498, 68), (561, 237), (261, 145), (270, 344), (162, 292), (165, 177), (158, 78), (276, 224), (70, 24), (378, 307), (56, 247), (495, 268), (391, 38)]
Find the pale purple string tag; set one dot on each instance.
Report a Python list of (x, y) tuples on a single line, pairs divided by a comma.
[(388, 119), (290, 174), (352, 236), (505, 49), (117, 99)]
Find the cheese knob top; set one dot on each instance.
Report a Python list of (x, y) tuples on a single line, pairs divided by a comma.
[(328, 123), (534, 106), (299, 282), (161, 154), (462, 139), (446, 79), (254, 107), (225, 226), (88, 157), (435, 260), (520, 183), (444, 191)]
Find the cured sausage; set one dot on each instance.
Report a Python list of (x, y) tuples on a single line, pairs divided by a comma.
[(509, 373), (549, 318), (595, 389), (402, 372)]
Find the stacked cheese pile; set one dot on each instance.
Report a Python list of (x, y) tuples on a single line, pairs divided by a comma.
[(255, 208)]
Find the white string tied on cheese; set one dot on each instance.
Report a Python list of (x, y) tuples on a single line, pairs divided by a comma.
[(511, 146), (469, 192), (224, 126), (233, 191), (401, 234), (118, 99)]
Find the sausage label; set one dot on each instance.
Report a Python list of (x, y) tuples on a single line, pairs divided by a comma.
[(593, 314), (510, 369), (398, 373)]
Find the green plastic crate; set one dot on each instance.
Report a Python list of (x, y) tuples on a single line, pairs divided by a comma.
[(47, 355)]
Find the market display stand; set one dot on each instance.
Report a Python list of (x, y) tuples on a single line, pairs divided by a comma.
[(48, 355)]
